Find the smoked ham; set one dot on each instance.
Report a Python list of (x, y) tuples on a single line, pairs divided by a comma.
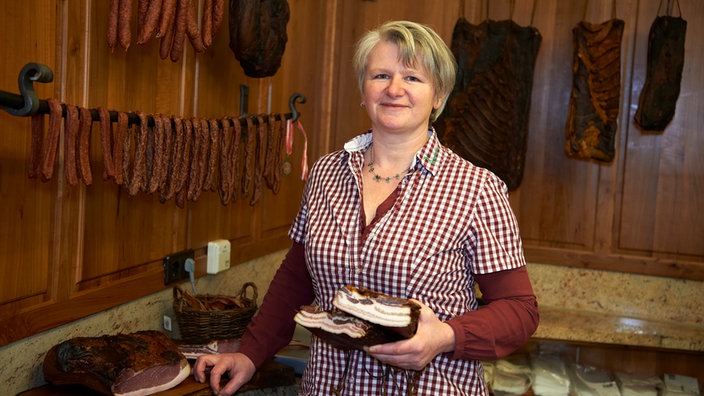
[(656, 105), (258, 34), (133, 364)]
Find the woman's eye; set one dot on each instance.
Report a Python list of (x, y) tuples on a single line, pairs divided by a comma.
[(413, 78), (381, 76)]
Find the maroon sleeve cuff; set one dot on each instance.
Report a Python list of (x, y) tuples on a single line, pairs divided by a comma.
[(272, 327), (504, 324)]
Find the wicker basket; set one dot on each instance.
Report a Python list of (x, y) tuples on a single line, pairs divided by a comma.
[(199, 324)]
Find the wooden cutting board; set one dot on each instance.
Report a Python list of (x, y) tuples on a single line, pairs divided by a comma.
[(272, 374)]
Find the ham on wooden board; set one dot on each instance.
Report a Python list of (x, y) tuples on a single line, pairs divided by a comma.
[(596, 88), (486, 119), (656, 105), (133, 364)]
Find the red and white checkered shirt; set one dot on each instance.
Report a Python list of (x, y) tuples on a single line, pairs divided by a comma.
[(450, 220)]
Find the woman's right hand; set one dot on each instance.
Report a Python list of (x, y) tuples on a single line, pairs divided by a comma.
[(238, 367)]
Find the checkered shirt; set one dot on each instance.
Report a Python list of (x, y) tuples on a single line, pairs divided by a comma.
[(451, 220)]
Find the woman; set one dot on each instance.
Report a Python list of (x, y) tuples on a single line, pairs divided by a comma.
[(400, 214)]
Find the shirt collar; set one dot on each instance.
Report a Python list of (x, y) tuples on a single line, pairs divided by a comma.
[(429, 156)]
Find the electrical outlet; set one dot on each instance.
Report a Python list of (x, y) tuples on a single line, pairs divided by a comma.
[(174, 266), (167, 323), (218, 256)]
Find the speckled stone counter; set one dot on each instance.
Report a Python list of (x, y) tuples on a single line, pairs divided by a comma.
[(572, 325)]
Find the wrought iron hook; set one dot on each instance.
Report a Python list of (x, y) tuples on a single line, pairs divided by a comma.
[(296, 97), (29, 101)]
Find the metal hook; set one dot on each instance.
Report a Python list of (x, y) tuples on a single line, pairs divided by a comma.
[(30, 102), (296, 97), (244, 99)]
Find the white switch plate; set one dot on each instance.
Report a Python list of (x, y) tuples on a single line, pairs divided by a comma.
[(218, 256)]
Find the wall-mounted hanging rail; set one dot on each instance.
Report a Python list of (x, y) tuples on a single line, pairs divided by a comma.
[(26, 103), (178, 158)]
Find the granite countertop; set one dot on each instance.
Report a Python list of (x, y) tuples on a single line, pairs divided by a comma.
[(573, 325)]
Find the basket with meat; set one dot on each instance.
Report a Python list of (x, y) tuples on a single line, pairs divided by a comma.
[(203, 318)]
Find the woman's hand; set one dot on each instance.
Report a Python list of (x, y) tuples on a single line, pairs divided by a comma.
[(432, 338), (236, 365)]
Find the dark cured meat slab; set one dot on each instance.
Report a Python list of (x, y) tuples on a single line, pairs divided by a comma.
[(117, 364), (596, 87), (656, 105), (258, 34), (486, 118)]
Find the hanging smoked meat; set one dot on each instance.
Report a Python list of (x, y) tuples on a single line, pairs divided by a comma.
[(656, 105), (596, 85), (258, 34), (486, 118)]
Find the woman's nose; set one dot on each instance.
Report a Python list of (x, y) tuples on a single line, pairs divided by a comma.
[(395, 86)]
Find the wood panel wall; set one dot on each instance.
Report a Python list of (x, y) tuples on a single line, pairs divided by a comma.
[(68, 252), (642, 212)]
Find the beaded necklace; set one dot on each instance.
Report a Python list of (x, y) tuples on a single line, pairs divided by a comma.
[(378, 178)]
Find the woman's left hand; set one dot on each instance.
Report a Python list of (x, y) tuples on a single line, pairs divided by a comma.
[(432, 338)]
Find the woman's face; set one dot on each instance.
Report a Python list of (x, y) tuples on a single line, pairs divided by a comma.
[(397, 98)]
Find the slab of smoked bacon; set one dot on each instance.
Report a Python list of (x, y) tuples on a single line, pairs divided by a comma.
[(656, 105), (596, 85), (486, 118)]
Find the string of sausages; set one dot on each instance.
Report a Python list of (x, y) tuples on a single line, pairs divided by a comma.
[(176, 158), (170, 21)]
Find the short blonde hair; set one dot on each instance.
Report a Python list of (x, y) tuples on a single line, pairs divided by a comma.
[(415, 42)]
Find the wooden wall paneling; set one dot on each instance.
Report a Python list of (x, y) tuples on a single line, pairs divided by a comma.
[(555, 203), (217, 94), (359, 17), (74, 80), (664, 172), (610, 173), (306, 69), (111, 249), (27, 215)]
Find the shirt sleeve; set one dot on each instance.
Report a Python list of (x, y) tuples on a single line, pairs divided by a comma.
[(504, 324), (272, 327), (496, 242)]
